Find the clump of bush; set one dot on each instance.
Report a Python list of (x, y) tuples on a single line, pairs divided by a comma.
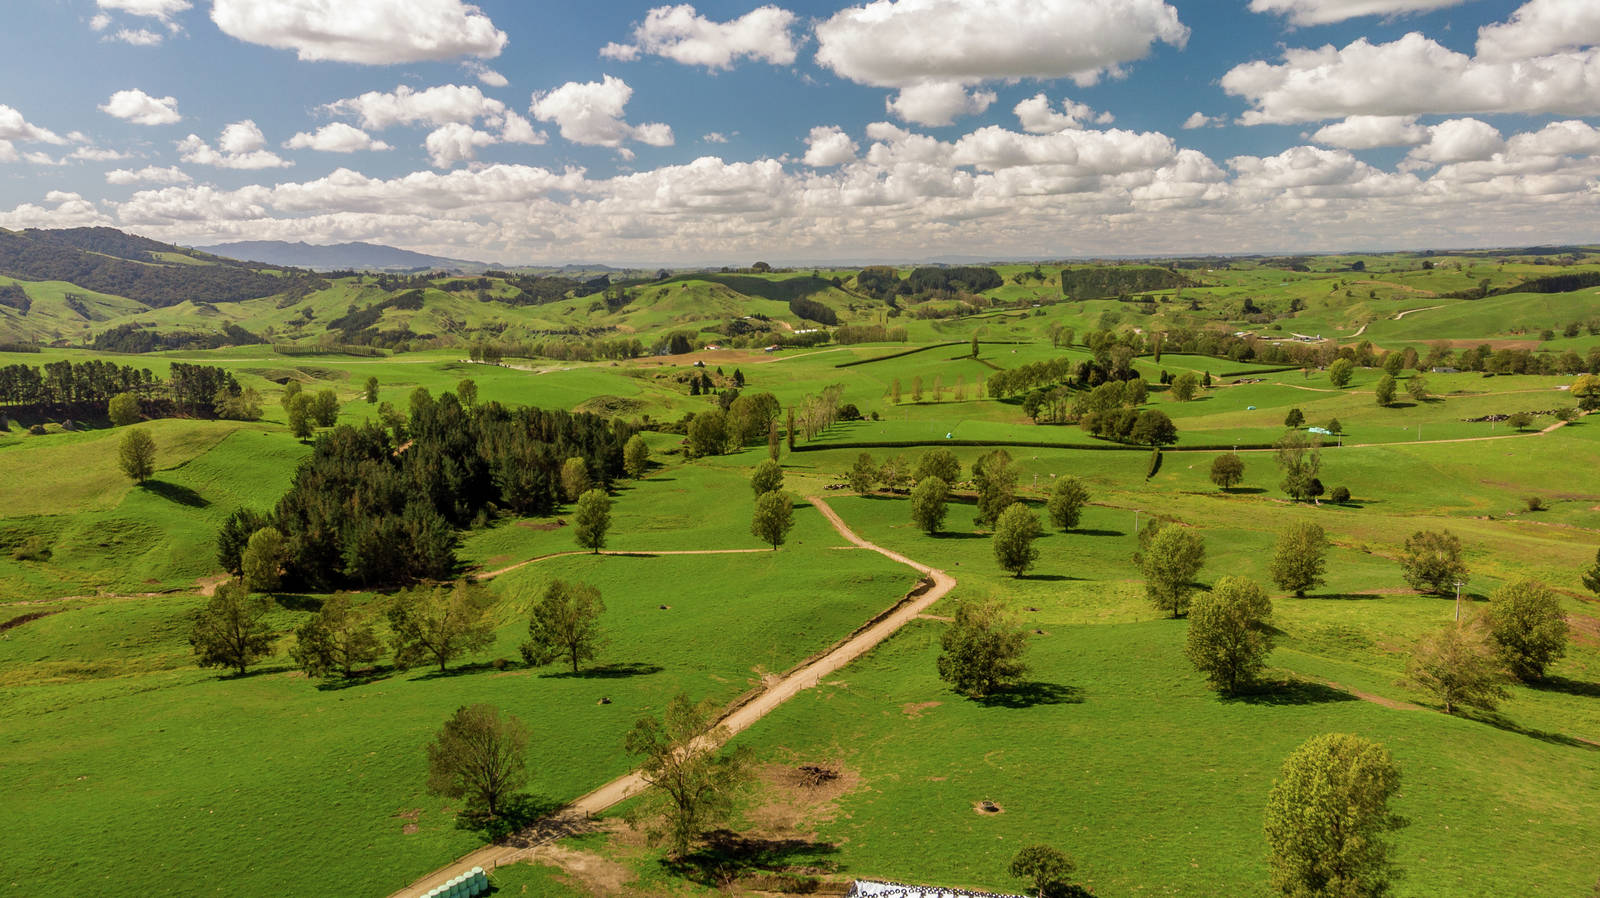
[(1536, 503), (31, 549), (1340, 495)]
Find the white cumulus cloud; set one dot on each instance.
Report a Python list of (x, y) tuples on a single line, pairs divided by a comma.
[(1365, 132), (98, 154), (241, 146), (590, 113), (1323, 12), (1457, 140), (938, 102), (1541, 27), (829, 145), (155, 9), (442, 105), (337, 137), (455, 142), (374, 32), (148, 175), (138, 37), (681, 34), (140, 108), (13, 126), (485, 75), (1037, 116)]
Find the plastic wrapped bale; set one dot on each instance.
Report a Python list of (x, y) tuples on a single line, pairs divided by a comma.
[(480, 881)]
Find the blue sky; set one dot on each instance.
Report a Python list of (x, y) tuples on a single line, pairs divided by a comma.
[(807, 132)]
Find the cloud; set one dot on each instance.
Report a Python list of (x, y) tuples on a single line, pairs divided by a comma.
[(442, 105), (374, 32), (455, 142), (138, 37), (484, 74), (681, 34), (1200, 120), (337, 137), (938, 102), (140, 108), (98, 154), (1366, 132), (591, 114), (1324, 12), (68, 210), (100, 22), (1457, 140), (14, 127), (929, 45), (155, 9), (829, 145), (516, 129), (148, 175), (9, 154), (241, 146), (1541, 27), (715, 137), (1037, 117), (1411, 76)]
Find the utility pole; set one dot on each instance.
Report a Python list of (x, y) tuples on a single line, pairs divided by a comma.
[(1458, 601)]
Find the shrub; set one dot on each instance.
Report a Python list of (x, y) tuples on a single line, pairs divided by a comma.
[(1536, 503), (1340, 495)]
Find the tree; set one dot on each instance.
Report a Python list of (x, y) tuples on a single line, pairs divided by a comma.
[(636, 457), (982, 650), (1048, 870), (1300, 558), (1066, 502), (123, 409), (974, 345), (1417, 386), (928, 500), (708, 433), (768, 476), (773, 517), (439, 624), (1295, 418), (291, 389), (1227, 471), (335, 640), (1228, 640), (1154, 428), (1170, 563), (592, 519), (298, 409), (940, 463), (1014, 534), (1185, 386), (136, 454), (1431, 560), (1385, 390), (1334, 427), (1340, 495), (1340, 372), (1528, 628), (575, 478), (262, 560), (1301, 461), (231, 630), (1520, 420), (695, 784), (1591, 577), (1393, 363), (235, 536), (324, 408), (863, 474), (1327, 816), (480, 756), (467, 392), (565, 624), (996, 480), (1457, 666), (371, 391)]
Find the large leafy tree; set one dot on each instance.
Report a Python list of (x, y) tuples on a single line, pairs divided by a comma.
[(1457, 666), (863, 475), (1300, 460), (768, 476), (1431, 561), (1327, 818), (1227, 471), (1048, 870), (1300, 559), (481, 756), (636, 456), (1591, 577), (695, 784), (1066, 502), (262, 560), (1528, 628), (439, 624), (337, 639), (565, 625), (232, 630), (774, 515), (940, 463), (1170, 563), (1014, 535), (928, 504), (1228, 637), (982, 650), (995, 476), (136, 455), (592, 520)]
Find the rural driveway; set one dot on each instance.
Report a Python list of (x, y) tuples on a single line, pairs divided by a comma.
[(741, 717)]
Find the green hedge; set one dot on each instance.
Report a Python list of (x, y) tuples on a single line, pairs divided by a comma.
[(1025, 444)]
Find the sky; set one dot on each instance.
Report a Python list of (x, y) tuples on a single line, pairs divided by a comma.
[(565, 131)]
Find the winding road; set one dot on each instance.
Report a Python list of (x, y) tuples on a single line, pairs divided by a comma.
[(737, 719)]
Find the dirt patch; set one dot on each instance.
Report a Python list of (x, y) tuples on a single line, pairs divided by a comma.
[(413, 815), (796, 797), (987, 808), (410, 829), (593, 873), (207, 586), (1585, 629), (914, 710), (543, 526)]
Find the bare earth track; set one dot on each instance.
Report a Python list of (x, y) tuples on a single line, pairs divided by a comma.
[(739, 718)]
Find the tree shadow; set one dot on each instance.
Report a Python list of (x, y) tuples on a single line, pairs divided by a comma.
[(1345, 596), (256, 672), (290, 601), (1096, 533), (959, 534), (1501, 722), (520, 812), (1027, 695), (364, 677), (458, 671), (1045, 578), (606, 672), (173, 492), (1568, 687), (1245, 491), (1291, 692), (724, 857)]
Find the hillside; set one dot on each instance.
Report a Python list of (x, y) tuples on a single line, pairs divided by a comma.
[(340, 257)]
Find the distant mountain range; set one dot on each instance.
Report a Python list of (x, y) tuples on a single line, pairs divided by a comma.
[(340, 257)]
